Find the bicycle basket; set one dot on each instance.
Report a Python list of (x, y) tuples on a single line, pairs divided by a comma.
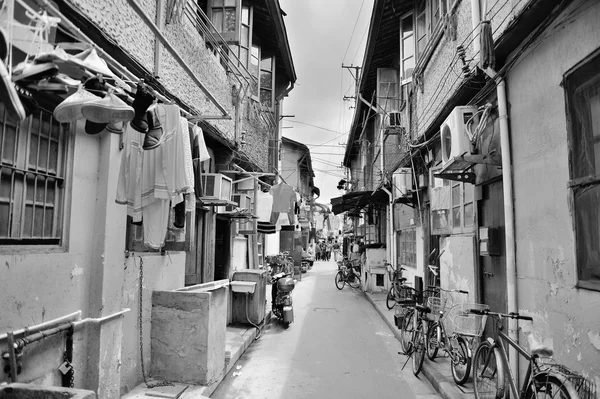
[(463, 322), (436, 304), (585, 387)]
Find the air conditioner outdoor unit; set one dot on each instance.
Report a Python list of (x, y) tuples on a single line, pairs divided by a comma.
[(243, 201), (403, 182), (217, 186), (394, 119), (455, 141)]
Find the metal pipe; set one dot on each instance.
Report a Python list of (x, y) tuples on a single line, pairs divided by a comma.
[(176, 55), (12, 358), (509, 220), (43, 326), (45, 333)]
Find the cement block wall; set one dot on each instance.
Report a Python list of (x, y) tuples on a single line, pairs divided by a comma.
[(566, 318), (457, 265), (188, 335)]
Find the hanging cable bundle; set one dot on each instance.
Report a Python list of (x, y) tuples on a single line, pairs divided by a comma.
[(487, 57)]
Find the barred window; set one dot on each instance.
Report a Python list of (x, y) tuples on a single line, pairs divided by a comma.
[(33, 155)]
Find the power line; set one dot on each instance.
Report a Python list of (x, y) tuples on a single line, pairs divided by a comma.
[(353, 29)]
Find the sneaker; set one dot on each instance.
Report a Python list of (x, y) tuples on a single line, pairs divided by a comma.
[(70, 109), (108, 109), (8, 93), (30, 71), (142, 101)]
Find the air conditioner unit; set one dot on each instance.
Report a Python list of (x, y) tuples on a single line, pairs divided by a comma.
[(243, 201), (217, 186), (403, 182), (394, 119), (455, 141)]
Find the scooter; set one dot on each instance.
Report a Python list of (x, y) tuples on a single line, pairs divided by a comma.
[(281, 298)]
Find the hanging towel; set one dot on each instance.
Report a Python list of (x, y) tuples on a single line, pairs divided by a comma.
[(199, 155)]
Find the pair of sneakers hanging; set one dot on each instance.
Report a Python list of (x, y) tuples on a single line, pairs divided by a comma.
[(146, 119)]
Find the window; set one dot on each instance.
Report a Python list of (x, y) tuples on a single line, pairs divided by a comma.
[(406, 241), (254, 69), (33, 156), (582, 90), (225, 16), (462, 207), (421, 26), (266, 81), (242, 51), (407, 47)]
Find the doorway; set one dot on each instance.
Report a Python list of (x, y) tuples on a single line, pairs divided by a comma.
[(492, 269), (222, 245)]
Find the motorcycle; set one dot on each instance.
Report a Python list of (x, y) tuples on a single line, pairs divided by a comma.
[(281, 298)]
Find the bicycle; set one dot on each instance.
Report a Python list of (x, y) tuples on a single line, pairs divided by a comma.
[(408, 299), (417, 346), (450, 330), (345, 275), (491, 370), (397, 282)]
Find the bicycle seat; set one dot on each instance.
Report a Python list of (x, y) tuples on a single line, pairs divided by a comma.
[(423, 308), (542, 350)]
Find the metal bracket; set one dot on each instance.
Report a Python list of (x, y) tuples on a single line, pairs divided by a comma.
[(465, 177)]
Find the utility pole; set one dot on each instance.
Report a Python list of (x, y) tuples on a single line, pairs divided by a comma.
[(355, 72)]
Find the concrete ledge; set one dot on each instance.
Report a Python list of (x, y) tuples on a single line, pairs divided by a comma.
[(447, 389)]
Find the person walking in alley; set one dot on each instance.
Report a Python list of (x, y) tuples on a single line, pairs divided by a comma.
[(328, 249), (336, 249)]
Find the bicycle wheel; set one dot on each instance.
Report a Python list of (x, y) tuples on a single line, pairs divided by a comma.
[(461, 362), (406, 332), (418, 354), (549, 386), (488, 372), (434, 336), (390, 301), (354, 281), (339, 280)]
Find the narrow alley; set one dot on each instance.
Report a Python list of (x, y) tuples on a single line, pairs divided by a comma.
[(337, 347)]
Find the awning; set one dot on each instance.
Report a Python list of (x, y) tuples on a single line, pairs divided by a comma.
[(356, 200)]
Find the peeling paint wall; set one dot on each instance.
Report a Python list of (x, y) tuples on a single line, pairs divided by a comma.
[(565, 318), (457, 266)]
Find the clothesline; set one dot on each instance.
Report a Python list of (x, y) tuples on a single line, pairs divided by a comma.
[(126, 75)]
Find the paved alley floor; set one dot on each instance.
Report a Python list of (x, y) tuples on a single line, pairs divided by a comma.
[(338, 347)]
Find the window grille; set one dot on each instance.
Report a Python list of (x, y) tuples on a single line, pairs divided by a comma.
[(33, 156)]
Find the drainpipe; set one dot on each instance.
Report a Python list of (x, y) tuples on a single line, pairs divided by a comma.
[(509, 211), (509, 218), (391, 244)]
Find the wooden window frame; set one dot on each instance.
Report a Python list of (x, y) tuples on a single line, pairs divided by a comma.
[(230, 37), (20, 169), (463, 227), (406, 79), (581, 182), (406, 244), (272, 89)]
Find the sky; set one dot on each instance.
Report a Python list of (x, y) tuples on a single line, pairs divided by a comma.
[(323, 35)]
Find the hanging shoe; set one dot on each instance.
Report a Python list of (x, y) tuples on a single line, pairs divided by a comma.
[(29, 104), (3, 46), (10, 96), (93, 128), (155, 131), (28, 71), (108, 109), (142, 101), (57, 55), (70, 109), (49, 85), (115, 127), (99, 89)]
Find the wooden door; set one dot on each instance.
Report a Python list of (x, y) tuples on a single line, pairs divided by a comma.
[(492, 269)]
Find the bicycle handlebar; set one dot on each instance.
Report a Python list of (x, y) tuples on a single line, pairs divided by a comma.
[(512, 315)]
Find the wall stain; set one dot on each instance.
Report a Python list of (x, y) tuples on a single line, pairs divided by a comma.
[(7, 264)]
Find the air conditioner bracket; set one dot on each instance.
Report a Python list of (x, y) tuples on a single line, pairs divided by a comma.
[(465, 177)]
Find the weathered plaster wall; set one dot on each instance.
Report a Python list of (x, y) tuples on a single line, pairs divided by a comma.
[(566, 318), (161, 273), (188, 335), (457, 266), (289, 165)]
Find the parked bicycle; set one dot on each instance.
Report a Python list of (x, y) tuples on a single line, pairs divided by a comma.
[(454, 332), (492, 373), (397, 283), (347, 274)]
